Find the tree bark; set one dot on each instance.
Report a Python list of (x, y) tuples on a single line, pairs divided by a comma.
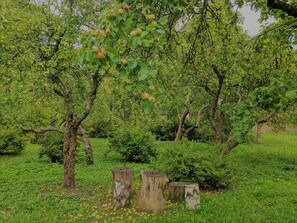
[(231, 143), (87, 146), (182, 119), (192, 196), (181, 122), (151, 196), (258, 133), (70, 143), (285, 7), (217, 122), (176, 191), (122, 185)]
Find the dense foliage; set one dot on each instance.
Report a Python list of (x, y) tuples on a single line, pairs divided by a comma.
[(134, 144), (11, 141), (189, 163), (52, 147), (184, 69)]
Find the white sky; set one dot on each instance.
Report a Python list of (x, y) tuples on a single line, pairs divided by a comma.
[(251, 23)]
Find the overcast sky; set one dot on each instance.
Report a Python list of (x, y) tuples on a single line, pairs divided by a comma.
[(251, 23)]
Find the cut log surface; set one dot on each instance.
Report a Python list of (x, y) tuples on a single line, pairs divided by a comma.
[(122, 185), (176, 191), (192, 196), (151, 196)]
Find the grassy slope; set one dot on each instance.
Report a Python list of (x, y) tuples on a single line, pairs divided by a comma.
[(264, 189)]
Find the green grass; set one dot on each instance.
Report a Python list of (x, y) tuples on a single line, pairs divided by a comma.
[(264, 188)]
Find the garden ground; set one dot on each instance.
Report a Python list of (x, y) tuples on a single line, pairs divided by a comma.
[(264, 188)]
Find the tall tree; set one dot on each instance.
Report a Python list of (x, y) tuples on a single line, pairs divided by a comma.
[(74, 56)]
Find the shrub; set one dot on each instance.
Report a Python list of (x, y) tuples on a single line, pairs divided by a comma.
[(182, 162), (99, 128), (202, 133), (134, 144), (52, 147), (165, 130), (11, 142)]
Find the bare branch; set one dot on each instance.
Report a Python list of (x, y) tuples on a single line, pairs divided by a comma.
[(48, 129), (90, 99), (55, 79), (215, 103), (266, 118), (55, 49), (217, 72), (59, 93), (41, 130), (289, 9)]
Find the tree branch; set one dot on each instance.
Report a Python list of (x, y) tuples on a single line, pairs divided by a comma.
[(199, 116), (50, 129), (55, 79), (41, 130), (90, 99), (266, 118), (207, 89), (55, 49), (216, 97), (231, 144), (285, 7)]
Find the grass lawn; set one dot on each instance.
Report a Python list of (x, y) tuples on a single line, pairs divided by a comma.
[(264, 190)]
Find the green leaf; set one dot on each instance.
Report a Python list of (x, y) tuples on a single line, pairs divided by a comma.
[(122, 73), (143, 74), (163, 21), (112, 52), (153, 73), (129, 24), (115, 59), (147, 107), (291, 94), (161, 31), (132, 64)]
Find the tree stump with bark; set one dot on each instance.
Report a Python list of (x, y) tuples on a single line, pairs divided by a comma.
[(176, 191), (151, 196), (192, 196), (122, 185)]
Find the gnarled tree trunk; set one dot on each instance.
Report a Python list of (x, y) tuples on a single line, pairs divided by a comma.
[(182, 119), (87, 146), (69, 148), (216, 116)]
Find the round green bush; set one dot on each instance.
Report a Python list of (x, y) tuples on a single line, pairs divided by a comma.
[(184, 162), (11, 142), (99, 128), (134, 144), (52, 147), (164, 130)]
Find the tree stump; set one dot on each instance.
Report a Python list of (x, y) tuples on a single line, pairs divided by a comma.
[(192, 196), (122, 185), (151, 196), (176, 191)]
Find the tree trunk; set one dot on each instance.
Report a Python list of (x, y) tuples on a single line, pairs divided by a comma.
[(192, 196), (182, 119), (122, 185), (69, 148), (181, 122), (87, 146), (218, 136), (151, 196), (258, 133), (176, 191)]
